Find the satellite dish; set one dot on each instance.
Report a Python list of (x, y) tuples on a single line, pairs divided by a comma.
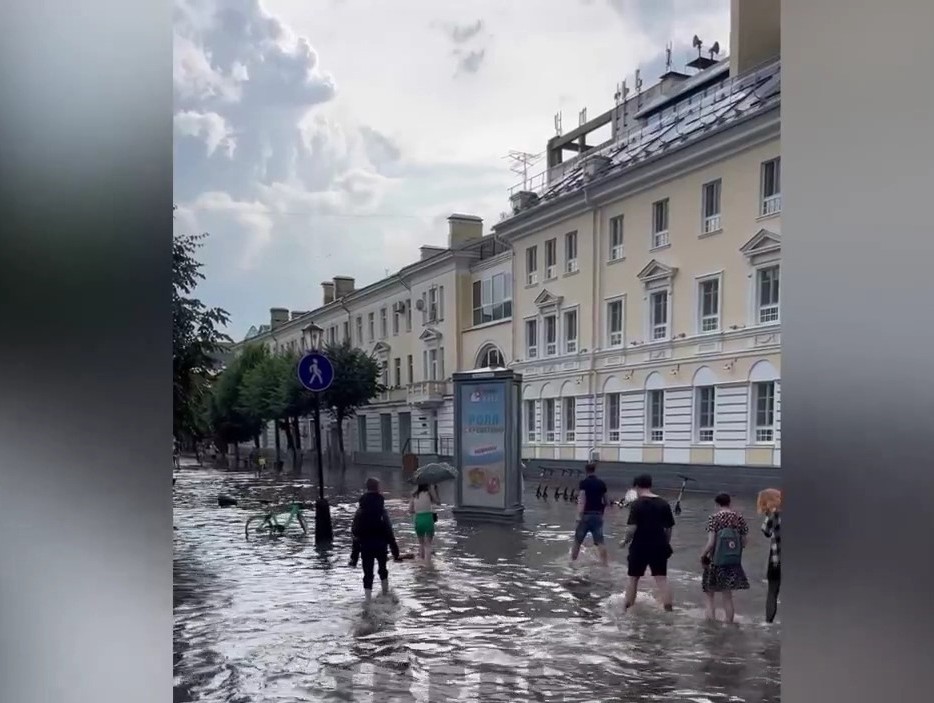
[(715, 49), (697, 42), (419, 304)]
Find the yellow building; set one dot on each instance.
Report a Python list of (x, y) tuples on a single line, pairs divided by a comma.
[(411, 322), (647, 317)]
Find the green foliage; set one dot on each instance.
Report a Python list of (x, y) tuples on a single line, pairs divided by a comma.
[(196, 339), (356, 380), (231, 416)]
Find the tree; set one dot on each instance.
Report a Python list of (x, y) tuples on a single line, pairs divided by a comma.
[(197, 339), (231, 419), (356, 382), (258, 398)]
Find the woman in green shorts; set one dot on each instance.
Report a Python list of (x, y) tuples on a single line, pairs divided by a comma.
[(422, 506)]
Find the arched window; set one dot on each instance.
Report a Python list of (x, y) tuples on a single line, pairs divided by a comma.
[(490, 357)]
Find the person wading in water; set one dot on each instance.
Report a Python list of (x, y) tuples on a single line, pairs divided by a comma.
[(722, 557), (648, 536), (770, 505), (373, 537), (422, 506), (590, 507)]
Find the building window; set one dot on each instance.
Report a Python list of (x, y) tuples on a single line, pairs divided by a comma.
[(408, 315), (411, 365), (569, 419), (551, 259), (383, 324), (397, 372), (656, 424), (531, 339), (549, 412), (708, 293), (492, 298), (531, 265), (764, 408), (658, 314), (614, 323), (570, 252), (616, 238), (361, 432), (772, 187), (491, 358), (767, 300), (395, 320), (384, 372), (660, 224), (433, 367), (711, 206), (435, 309), (371, 325), (332, 334), (551, 334), (570, 331), (705, 404), (359, 325), (611, 406), (530, 420)]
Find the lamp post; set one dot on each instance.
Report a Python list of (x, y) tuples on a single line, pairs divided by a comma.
[(316, 374)]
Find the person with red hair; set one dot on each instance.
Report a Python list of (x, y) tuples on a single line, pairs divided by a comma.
[(769, 504)]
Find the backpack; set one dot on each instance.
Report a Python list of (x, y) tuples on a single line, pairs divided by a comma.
[(727, 548)]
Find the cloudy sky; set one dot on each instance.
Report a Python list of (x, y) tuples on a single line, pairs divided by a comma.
[(316, 138)]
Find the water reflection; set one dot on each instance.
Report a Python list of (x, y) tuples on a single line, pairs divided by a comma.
[(500, 615)]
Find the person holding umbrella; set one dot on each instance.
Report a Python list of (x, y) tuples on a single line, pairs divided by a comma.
[(422, 507), (424, 502)]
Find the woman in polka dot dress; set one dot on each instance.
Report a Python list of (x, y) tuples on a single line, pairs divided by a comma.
[(723, 579)]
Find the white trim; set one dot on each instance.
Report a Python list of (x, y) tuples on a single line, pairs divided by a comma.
[(618, 252), (754, 297), (563, 345), (698, 302), (649, 322), (527, 348), (711, 224), (606, 343)]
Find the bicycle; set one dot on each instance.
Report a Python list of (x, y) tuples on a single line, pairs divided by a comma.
[(268, 523)]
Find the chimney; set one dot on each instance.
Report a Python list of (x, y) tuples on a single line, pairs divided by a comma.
[(595, 166), (462, 229), (298, 313), (755, 33), (328, 288), (522, 200), (278, 317), (428, 251), (343, 285)]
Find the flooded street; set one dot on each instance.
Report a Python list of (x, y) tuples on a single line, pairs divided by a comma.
[(500, 616)]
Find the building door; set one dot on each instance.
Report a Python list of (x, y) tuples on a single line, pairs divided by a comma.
[(405, 431), (385, 431)]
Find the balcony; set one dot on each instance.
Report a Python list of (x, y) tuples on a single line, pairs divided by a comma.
[(427, 394), (395, 394)]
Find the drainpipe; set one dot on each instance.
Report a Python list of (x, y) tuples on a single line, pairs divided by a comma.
[(597, 284)]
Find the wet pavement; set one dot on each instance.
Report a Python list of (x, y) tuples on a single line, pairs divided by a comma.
[(499, 616)]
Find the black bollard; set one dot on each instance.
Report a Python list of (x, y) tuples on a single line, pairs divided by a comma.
[(324, 531)]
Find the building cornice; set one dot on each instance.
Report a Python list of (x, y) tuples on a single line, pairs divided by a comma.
[(720, 143)]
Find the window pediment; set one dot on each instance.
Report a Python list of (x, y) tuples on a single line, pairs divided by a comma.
[(430, 336), (763, 243), (381, 349), (547, 300), (656, 273)]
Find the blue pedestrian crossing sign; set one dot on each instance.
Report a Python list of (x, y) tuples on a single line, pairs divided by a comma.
[(315, 372)]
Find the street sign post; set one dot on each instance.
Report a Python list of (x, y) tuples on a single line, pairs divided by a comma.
[(316, 374)]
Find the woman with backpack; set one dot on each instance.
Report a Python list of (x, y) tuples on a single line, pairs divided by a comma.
[(722, 557)]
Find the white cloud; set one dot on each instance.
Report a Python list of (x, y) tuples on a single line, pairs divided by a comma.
[(320, 139)]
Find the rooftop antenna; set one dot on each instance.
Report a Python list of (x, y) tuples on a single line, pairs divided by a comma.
[(558, 123), (622, 90), (520, 162), (639, 87), (582, 117), (668, 57)]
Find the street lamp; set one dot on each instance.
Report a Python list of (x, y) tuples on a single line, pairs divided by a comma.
[(324, 532)]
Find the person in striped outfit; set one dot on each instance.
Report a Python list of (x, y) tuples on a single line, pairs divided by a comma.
[(769, 504)]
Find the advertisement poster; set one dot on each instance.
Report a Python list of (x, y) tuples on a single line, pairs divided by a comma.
[(483, 445)]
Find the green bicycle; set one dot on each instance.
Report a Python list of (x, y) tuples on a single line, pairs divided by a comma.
[(277, 520)]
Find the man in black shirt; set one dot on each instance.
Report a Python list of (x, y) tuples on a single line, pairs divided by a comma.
[(373, 537), (590, 506), (648, 535)]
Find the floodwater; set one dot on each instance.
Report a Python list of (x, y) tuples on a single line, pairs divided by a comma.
[(499, 616)]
